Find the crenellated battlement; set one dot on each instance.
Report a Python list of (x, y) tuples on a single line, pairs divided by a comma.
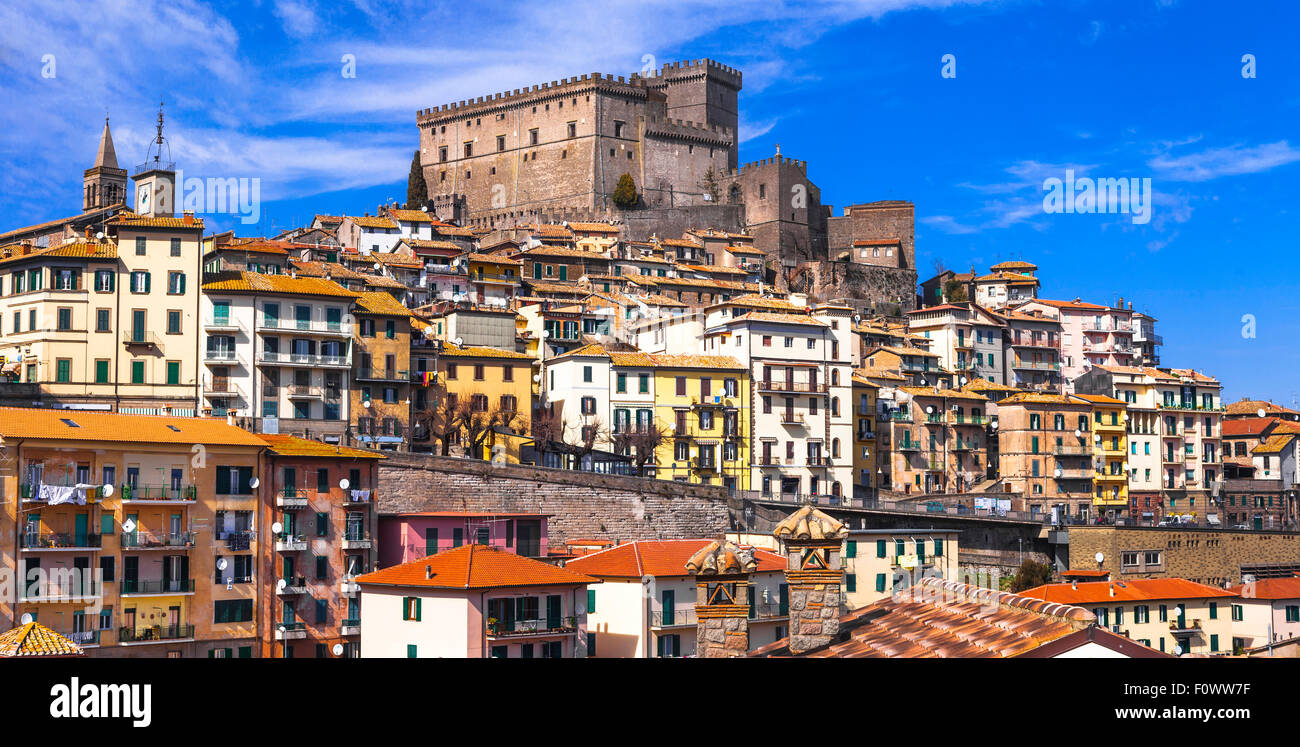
[(669, 72), (775, 161), (684, 128)]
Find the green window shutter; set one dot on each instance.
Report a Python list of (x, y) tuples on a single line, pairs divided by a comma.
[(417, 608), (182, 283), (406, 608), (223, 481), (851, 549), (106, 524), (900, 547), (245, 652), (101, 372), (410, 651), (880, 582), (880, 548), (591, 601), (1214, 642), (173, 372), (851, 582), (148, 281), (938, 548), (1214, 610), (137, 372)]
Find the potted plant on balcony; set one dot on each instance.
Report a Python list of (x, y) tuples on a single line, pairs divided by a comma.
[(492, 625)]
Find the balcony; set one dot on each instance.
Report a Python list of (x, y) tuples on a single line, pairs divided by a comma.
[(303, 359), (704, 465), (349, 588), (797, 387), (222, 324), (83, 638), (1072, 450), (355, 496), (1030, 342), (221, 356), (157, 540), (305, 391), (291, 498), (1183, 626), (1073, 474), (61, 585), (908, 446), (224, 387), (291, 631), (157, 587), (356, 539), (673, 618), (155, 634), (350, 626), (293, 585), (1119, 477), (376, 374), (768, 611), (171, 494), (291, 543), (333, 329), (540, 626), (1037, 365), (59, 541), (792, 418), (140, 337)]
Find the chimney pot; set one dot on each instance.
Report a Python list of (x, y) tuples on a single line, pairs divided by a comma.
[(428, 572)]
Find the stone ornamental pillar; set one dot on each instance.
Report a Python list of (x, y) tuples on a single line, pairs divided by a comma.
[(721, 570), (814, 572)]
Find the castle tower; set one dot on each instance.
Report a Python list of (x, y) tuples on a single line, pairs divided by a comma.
[(702, 91), (721, 570), (814, 572), (104, 183)]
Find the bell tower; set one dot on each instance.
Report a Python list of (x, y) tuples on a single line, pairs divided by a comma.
[(103, 184), (155, 179)]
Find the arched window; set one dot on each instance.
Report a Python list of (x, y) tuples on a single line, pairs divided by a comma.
[(835, 377), (835, 448), (835, 407), (835, 489)]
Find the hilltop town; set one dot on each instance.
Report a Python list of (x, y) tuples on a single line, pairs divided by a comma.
[(599, 388)]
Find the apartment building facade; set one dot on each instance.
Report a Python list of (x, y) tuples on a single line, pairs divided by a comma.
[(277, 353), (936, 440), (1045, 453), (380, 406), (116, 523), (1110, 447), (967, 338), (316, 521), (1091, 335), (83, 325)]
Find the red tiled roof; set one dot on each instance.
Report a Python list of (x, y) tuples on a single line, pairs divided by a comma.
[(1270, 588), (657, 558), (34, 639), (1246, 426), (1132, 590), (475, 566)]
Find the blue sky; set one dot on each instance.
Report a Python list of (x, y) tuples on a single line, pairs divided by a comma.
[(1139, 88)]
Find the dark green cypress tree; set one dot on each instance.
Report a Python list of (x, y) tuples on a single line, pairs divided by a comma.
[(417, 192)]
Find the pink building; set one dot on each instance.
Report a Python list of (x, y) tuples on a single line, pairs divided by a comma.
[(411, 536), (1091, 335)]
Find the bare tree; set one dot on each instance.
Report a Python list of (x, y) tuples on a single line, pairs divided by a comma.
[(478, 418), (547, 426), (641, 441), (441, 419), (591, 430)]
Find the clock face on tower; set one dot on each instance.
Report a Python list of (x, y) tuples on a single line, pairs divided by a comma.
[(144, 198)]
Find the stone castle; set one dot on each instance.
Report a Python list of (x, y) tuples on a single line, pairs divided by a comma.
[(555, 151)]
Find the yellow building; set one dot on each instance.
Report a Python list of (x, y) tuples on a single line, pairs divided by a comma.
[(494, 386), (1110, 453), (107, 321), (116, 523), (866, 452), (702, 405), (878, 562)]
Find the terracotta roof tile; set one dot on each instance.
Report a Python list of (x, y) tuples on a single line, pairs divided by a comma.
[(378, 302), (293, 446), (1131, 590), (475, 566), (36, 640), (73, 250), (659, 558), (1270, 588), (20, 422), (253, 282)]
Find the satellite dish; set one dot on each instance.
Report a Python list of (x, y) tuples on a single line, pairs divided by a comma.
[(994, 425), (1058, 472), (99, 234), (423, 209), (253, 483), (537, 378), (1178, 650), (221, 564), (1125, 466), (545, 335), (128, 526), (281, 584), (1097, 438), (459, 341), (929, 409), (378, 266), (1260, 412), (1099, 557), (344, 484), (366, 404), (1078, 433), (107, 490), (27, 618), (337, 649), (276, 528), (962, 380), (282, 628)]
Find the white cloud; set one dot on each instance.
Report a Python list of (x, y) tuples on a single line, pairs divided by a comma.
[(1234, 160)]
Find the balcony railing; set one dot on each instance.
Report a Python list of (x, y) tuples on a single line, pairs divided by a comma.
[(155, 633), (157, 586), (140, 337), (59, 541), (156, 540), (792, 386), (768, 611), (221, 388), (704, 465), (291, 498), (223, 323), (306, 325), (159, 493), (305, 391), (543, 625), (304, 359), (1071, 450), (377, 374), (683, 616)]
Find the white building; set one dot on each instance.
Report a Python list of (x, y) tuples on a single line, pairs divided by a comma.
[(277, 350)]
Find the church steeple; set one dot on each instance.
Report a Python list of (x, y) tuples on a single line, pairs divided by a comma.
[(107, 156), (103, 184)]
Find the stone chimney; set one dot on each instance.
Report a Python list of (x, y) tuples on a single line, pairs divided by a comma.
[(721, 570), (814, 572)]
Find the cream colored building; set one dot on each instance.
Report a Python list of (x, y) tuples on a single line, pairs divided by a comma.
[(1172, 615), (879, 561), (1267, 610), (108, 323)]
